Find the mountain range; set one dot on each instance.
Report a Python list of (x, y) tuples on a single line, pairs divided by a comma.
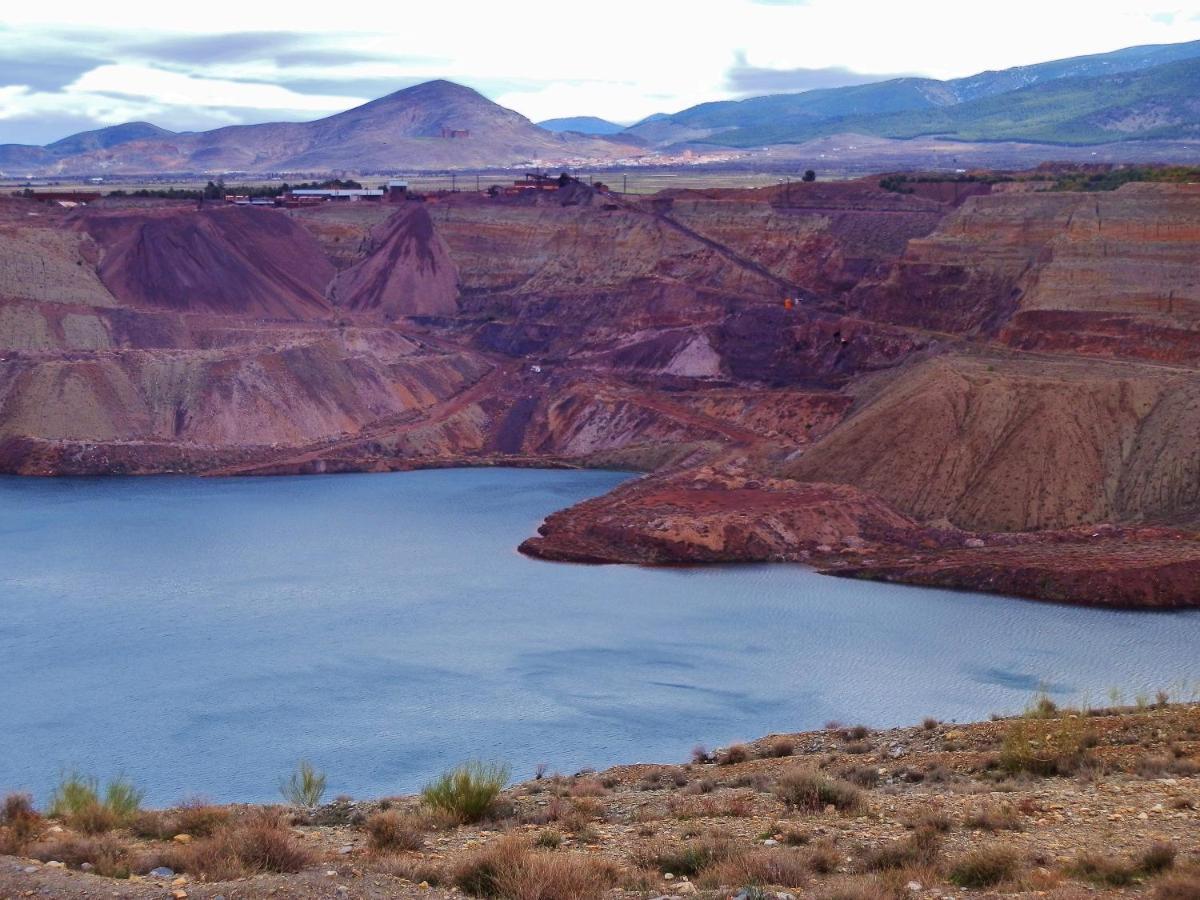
[(433, 125), (1134, 94), (1131, 94)]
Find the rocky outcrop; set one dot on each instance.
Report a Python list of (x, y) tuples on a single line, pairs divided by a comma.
[(719, 514)]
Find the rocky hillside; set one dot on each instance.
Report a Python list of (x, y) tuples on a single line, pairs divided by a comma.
[(434, 125)]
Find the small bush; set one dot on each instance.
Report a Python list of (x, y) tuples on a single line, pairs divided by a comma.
[(1181, 886), (738, 753), (920, 848), (411, 868), (1157, 858), (685, 859), (479, 873), (549, 838), (984, 867), (107, 855), (20, 822), (304, 787), (1099, 869), (786, 868), (467, 792), (77, 802), (391, 831), (929, 723), (261, 844), (198, 818), (1105, 870), (780, 747), (1058, 747), (994, 817), (804, 789)]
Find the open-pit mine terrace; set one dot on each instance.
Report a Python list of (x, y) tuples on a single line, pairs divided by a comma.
[(990, 388)]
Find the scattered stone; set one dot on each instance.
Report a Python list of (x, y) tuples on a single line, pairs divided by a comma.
[(182, 839), (161, 872)]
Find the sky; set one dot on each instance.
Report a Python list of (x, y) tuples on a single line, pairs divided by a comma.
[(69, 66)]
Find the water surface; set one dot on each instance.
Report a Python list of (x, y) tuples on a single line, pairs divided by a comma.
[(202, 635)]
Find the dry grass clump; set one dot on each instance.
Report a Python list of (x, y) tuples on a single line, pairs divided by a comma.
[(1104, 870), (686, 858), (466, 792), (985, 867), (921, 848), (261, 843), (511, 868), (779, 747), (410, 868), (20, 823), (811, 791), (107, 854), (1160, 765), (194, 817), (1046, 748), (775, 866), (391, 830), (77, 801), (994, 817), (731, 756), (1179, 886)]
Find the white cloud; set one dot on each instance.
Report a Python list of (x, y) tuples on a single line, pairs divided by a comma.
[(178, 89), (622, 61)]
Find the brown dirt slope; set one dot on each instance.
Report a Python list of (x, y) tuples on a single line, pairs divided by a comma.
[(407, 271), (224, 260)]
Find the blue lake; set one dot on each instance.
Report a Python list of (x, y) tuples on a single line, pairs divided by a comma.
[(203, 635)]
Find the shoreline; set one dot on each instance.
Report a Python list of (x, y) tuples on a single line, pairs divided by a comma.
[(918, 802)]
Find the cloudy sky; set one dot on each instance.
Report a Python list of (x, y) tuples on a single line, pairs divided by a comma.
[(70, 65)]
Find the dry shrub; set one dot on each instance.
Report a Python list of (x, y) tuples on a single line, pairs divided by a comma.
[(984, 867), (20, 823), (199, 818), (511, 868), (153, 824), (1045, 748), (1179, 886), (921, 848), (932, 818), (1158, 766), (811, 791), (588, 787), (108, 855), (1106, 870), (785, 868), (685, 859), (391, 830), (824, 858), (410, 868), (731, 756), (863, 776), (262, 843), (544, 875), (1157, 858), (994, 817), (779, 747)]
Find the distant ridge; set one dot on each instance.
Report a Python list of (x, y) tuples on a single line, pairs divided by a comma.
[(582, 125), (906, 107)]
